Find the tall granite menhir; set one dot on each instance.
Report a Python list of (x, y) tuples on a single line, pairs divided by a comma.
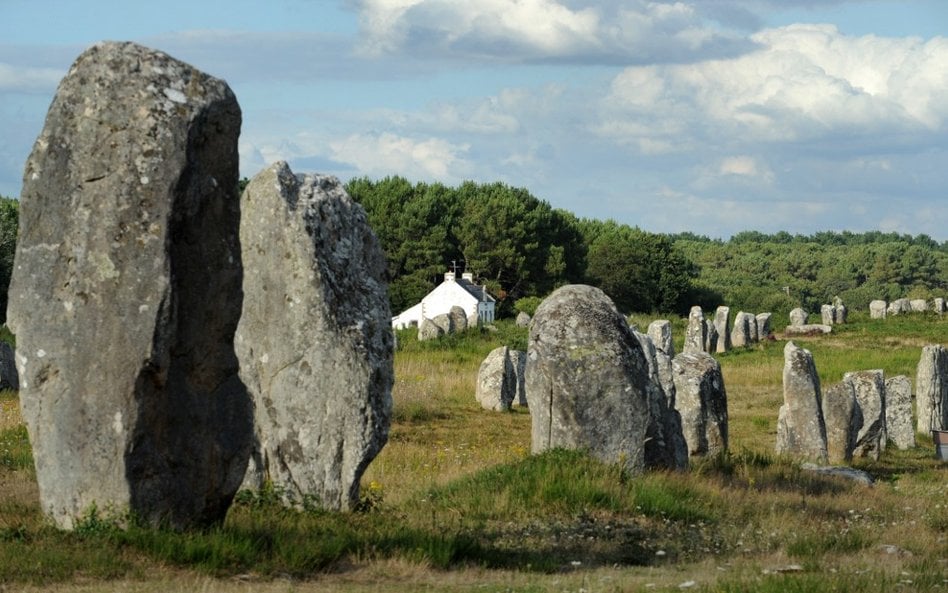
[(315, 339), (126, 293), (587, 378)]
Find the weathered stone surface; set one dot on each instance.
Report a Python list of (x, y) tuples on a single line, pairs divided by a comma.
[(523, 319), (445, 323), (518, 360), (429, 330), (496, 381), (315, 339), (931, 389), (587, 378), (938, 305), (847, 473), (666, 376), (752, 328), (722, 324), (801, 431), (661, 333), (798, 316), (841, 312), (741, 337), (664, 442), (828, 314), (842, 418), (898, 307), (701, 399), (458, 319), (899, 424), (877, 309), (764, 329), (126, 291), (869, 387), (711, 337), (9, 378), (808, 329), (695, 334), (918, 305)]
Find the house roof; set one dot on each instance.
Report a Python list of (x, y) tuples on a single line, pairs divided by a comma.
[(476, 291)]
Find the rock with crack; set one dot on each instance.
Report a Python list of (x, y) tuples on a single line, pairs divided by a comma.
[(126, 291), (869, 387), (587, 378), (701, 399), (899, 425), (801, 431), (931, 389), (315, 339)]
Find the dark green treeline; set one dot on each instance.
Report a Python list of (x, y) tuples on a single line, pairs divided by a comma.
[(519, 246)]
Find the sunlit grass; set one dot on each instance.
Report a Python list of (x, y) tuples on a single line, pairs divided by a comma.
[(455, 502)]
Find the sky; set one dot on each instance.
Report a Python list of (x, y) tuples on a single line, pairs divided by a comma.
[(707, 116)]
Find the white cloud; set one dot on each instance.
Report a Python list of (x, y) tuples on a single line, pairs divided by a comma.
[(26, 79), (514, 30), (389, 154), (745, 166), (804, 83)]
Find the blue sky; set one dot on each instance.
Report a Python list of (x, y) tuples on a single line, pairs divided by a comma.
[(709, 116)]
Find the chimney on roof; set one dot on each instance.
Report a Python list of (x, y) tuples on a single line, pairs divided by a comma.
[(449, 276), (469, 276)]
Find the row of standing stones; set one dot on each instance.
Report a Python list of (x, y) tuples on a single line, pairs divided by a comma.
[(860, 415), (879, 309), (592, 382), (248, 338)]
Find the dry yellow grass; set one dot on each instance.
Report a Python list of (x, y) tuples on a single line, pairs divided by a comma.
[(770, 517)]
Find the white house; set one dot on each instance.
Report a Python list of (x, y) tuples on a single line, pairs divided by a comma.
[(474, 299)]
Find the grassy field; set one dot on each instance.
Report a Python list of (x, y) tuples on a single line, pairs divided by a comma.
[(455, 502)]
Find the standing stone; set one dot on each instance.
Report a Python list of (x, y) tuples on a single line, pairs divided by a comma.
[(696, 333), (877, 309), (711, 337), (429, 330), (898, 307), (938, 305), (665, 445), (763, 326), (722, 323), (828, 314), (518, 361), (701, 399), (126, 291), (843, 419), (661, 333), (801, 431), (870, 397), (666, 377), (587, 378), (9, 379), (496, 381), (445, 323), (931, 389), (458, 319), (523, 319), (841, 313), (741, 336), (752, 328), (315, 339), (898, 411), (918, 305), (798, 317)]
